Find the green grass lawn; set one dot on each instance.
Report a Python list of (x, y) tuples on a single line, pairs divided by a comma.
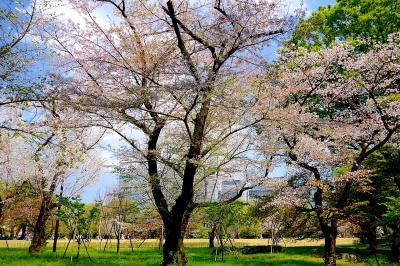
[(152, 256)]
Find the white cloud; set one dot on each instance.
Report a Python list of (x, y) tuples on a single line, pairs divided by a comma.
[(64, 10), (296, 4), (110, 142)]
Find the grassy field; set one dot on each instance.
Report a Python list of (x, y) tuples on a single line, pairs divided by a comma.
[(151, 243), (295, 253)]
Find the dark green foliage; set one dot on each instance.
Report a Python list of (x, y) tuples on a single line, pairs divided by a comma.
[(380, 203), (384, 180), (392, 214)]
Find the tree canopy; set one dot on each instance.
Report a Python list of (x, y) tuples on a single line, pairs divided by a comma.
[(348, 20)]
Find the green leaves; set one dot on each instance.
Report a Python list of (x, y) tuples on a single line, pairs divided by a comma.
[(74, 214), (348, 20), (392, 215), (228, 214)]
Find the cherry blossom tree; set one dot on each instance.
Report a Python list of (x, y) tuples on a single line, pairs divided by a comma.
[(62, 160), (172, 80), (330, 110), (36, 167)]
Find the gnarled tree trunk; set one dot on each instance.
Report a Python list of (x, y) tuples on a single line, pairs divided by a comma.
[(173, 252), (173, 247), (39, 234), (330, 235), (328, 227)]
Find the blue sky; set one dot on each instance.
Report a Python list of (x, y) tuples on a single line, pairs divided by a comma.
[(108, 179), (314, 4)]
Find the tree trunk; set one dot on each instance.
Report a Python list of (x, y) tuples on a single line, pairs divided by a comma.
[(394, 255), (173, 252), (221, 241), (79, 247), (2, 204), (57, 223), (330, 235), (328, 226), (39, 236), (330, 250), (160, 244), (118, 238), (23, 231), (371, 239), (211, 236), (12, 232), (56, 235), (176, 220)]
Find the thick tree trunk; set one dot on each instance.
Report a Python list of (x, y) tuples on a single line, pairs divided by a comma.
[(368, 234), (394, 255), (328, 227), (176, 220), (39, 237), (330, 249), (39, 231), (173, 252), (330, 235)]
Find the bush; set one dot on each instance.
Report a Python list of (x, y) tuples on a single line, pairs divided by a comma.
[(260, 249), (249, 232)]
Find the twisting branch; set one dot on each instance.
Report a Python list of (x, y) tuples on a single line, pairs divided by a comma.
[(225, 202), (170, 11)]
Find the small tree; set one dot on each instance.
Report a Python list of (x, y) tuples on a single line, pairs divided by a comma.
[(77, 219), (222, 217), (121, 210)]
